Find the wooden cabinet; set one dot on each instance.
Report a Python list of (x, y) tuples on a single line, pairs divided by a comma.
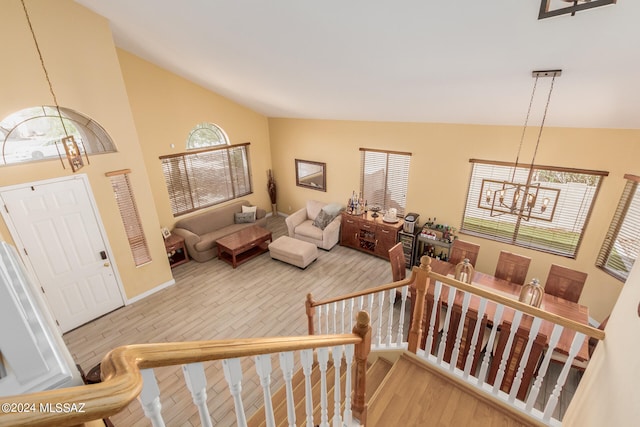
[(176, 250), (370, 235)]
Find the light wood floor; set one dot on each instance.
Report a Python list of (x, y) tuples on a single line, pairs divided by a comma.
[(210, 300)]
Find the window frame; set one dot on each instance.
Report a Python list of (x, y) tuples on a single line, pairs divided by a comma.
[(618, 222), (185, 179), (207, 126), (391, 183), (511, 231)]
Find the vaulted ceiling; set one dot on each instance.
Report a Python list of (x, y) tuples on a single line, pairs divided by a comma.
[(463, 61)]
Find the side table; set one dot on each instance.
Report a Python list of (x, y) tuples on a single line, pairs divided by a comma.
[(176, 250)]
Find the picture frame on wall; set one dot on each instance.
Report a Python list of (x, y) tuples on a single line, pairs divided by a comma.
[(311, 174), (165, 233)]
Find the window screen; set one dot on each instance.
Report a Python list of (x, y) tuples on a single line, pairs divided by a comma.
[(198, 179), (622, 242), (556, 229), (384, 176)]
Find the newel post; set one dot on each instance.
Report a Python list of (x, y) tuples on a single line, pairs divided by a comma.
[(311, 312), (363, 329), (421, 283)]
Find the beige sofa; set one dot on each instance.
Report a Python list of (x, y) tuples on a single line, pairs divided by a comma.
[(201, 231), (300, 226)]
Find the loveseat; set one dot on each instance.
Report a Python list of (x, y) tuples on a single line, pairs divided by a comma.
[(325, 233), (200, 231)]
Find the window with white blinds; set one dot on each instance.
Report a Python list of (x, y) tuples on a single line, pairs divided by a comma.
[(622, 242), (130, 217), (558, 230), (198, 179), (384, 177)]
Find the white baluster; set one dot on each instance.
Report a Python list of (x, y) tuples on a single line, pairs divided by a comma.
[(337, 363), (542, 370), (474, 338), (517, 381), (319, 311), (578, 340), (403, 305), (392, 300), (197, 384), (306, 358), (286, 366), (233, 375), (150, 398), (370, 301), (463, 317), (360, 302), (505, 354), (323, 361), (380, 317), (349, 352), (326, 318), (431, 328), (351, 313), (334, 307), (447, 319), (342, 307), (497, 318), (263, 368)]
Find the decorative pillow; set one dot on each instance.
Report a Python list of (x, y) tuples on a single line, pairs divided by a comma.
[(246, 209), (246, 217), (333, 209), (323, 219)]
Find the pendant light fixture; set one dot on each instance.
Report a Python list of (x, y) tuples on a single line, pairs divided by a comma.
[(71, 148), (549, 8)]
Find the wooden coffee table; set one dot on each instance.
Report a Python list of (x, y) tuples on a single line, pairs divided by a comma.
[(243, 245)]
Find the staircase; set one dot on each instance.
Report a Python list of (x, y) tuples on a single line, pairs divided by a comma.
[(406, 392)]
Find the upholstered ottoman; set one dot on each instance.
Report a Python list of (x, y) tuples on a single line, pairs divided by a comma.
[(293, 251)]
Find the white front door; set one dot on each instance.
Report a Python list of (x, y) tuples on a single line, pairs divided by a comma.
[(61, 237)]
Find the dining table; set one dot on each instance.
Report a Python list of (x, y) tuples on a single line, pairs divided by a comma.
[(550, 303)]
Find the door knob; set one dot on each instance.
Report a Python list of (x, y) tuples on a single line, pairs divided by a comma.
[(106, 264)]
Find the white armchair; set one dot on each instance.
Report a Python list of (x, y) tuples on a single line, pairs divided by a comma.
[(300, 225)]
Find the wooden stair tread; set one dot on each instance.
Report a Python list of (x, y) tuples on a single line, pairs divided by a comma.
[(414, 395)]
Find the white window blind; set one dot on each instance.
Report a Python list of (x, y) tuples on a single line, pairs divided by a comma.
[(622, 242), (384, 177), (130, 217), (198, 179), (558, 231)]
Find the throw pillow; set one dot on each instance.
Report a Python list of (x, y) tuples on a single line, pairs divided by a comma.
[(332, 209), (246, 209), (323, 219), (243, 218)]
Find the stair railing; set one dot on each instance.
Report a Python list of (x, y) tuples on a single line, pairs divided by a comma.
[(335, 315), (511, 364), (127, 373)]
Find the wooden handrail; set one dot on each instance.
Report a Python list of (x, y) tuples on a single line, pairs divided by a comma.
[(122, 381)]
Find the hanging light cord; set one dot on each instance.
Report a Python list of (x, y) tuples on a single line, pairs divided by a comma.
[(546, 108), (46, 74), (524, 129)]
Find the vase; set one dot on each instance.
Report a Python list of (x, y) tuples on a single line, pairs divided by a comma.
[(274, 210)]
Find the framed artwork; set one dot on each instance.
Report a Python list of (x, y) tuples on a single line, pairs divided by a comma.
[(311, 174), (166, 233)]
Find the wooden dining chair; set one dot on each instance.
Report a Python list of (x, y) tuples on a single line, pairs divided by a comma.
[(398, 262), (461, 250), (565, 283), (580, 365), (512, 267)]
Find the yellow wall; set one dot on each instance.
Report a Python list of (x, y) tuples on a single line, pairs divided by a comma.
[(166, 108), (440, 170), (81, 60)]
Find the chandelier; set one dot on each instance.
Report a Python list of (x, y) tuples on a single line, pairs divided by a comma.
[(526, 199), (71, 149), (549, 8)]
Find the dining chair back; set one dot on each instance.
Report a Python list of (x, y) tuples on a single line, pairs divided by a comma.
[(461, 250), (512, 267), (398, 262), (565, 283)]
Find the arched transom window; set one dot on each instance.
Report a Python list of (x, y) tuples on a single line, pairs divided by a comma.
[(35, 134), (205, 135)]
